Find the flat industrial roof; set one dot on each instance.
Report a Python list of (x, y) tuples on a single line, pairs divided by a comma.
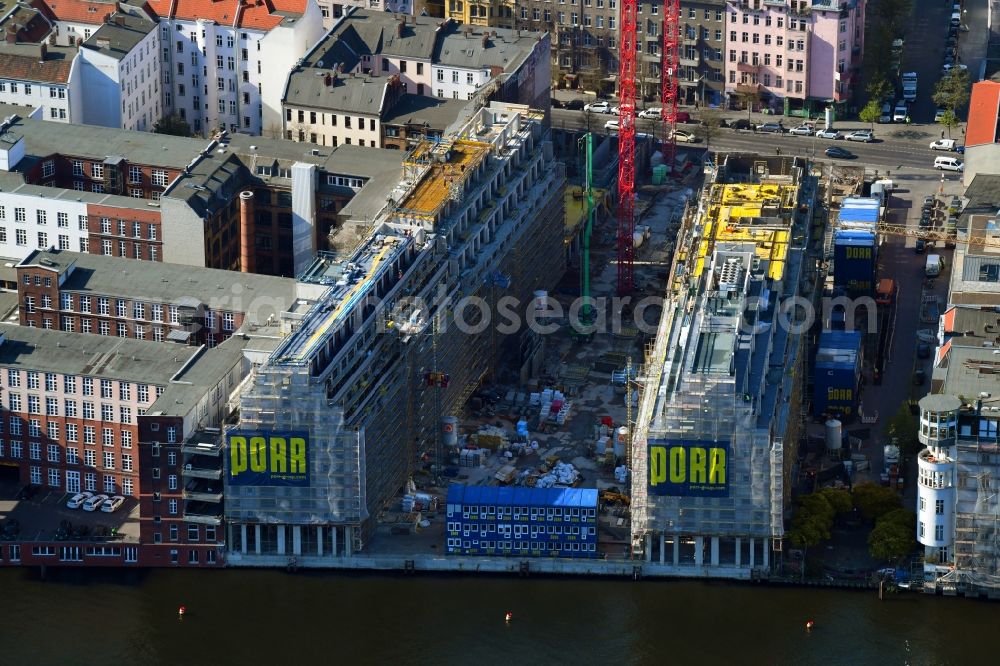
[(161, 282), (101, 356)]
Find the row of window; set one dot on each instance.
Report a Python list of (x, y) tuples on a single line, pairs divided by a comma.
[(14, 403), (520, 513), (938, 531), (33, 381), (938, 506), (110, 482), (520, 530), (55, 92), (523, 546), (72, 453)]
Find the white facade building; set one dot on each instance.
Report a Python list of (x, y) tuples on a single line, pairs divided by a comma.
[(31, 222), (227, 66), (120, 70), (936, 476), (42, 77)]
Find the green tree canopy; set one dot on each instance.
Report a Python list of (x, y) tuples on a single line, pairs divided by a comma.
[(838, 498), (812, 521), (952, 91), (902, 427), (870, 113), (874, 501), (711, 122), (892, 537), (172, 124)]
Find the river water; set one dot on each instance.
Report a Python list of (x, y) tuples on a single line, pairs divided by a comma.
[(264, 617)]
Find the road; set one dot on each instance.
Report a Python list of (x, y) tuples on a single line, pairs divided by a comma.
[(923, 52), (896, 146)]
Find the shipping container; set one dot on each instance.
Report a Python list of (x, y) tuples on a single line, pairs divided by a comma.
[(855, 257), (837, 372)]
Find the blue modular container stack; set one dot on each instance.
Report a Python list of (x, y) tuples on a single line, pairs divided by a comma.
[(855, 257), (492, 520), (837, 371)]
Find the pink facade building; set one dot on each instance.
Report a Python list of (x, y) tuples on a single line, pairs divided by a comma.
[(801, 55)]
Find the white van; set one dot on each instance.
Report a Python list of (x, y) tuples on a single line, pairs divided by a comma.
[(934, 265), (956, 19), (948, 164), (900, 113)]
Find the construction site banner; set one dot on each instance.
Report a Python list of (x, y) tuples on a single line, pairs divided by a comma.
[(687, 468), (266, 458)]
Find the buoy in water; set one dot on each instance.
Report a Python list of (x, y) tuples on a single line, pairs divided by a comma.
[(181, 611), (508, 617), (810, 624)]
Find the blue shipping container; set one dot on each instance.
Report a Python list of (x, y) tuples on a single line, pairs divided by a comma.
[(855, 257), (492, 520), (858, 214), (836, 374)]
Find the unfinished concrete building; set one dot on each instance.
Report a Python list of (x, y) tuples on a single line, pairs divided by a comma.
[(719, 411), (375, 359)]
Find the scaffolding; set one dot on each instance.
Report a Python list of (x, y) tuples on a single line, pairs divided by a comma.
[(977, 519)]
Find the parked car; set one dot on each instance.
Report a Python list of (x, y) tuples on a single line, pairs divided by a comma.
[(839, 153), (558, 103), (93, 503), (920, 246), (948, 164), (919, 377), (76, 501), (685, 137), (598, 107), (930, 201), (654, 113), (923, 350), (960, 150), (829, 133), (861, 135), (112, 504), (575, 105), (616, 111), (683, 117), (938, 115), (943, 144), (772, 128), (740, 124), (611, 126), (805, 129)]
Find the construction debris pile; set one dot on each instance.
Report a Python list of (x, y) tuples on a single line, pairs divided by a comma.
[(561, 474), (553, 406)]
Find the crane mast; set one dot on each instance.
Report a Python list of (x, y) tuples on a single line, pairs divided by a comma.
[(626, 146), (669, 78)]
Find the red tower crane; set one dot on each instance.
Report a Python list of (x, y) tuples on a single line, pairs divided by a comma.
[(669, 78), (626, 146)]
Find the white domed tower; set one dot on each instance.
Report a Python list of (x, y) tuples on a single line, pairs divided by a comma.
[(937, 475)]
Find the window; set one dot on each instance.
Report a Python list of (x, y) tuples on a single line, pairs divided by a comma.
[(939, 532), (52, 453), (172, 482), (109, 484), (109, 460), (172, 510), (939, 507)]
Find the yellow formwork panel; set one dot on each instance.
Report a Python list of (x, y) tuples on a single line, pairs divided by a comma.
[(428, 196)]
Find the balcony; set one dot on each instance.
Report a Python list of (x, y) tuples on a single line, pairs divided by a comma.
[(209, 473), (748, 88), (203, 490), (202, 513), (207, 442), (747, 67), (689, 62), (689, 41)]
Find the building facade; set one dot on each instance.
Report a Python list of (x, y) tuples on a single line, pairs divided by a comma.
[(87, 413), (119, 68), (107, 295), (40, 76), (340, 378), (225, 64)]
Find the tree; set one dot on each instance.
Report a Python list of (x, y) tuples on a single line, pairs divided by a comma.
[(949, 120), (870, 113), (711, 122), (874, 501), (879, 88), (952, 91), (812, 521), (902, 428), (892, 537), (749, 95), (838, 498), (172, 124)]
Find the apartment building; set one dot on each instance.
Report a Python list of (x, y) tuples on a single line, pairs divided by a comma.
[(344, 88), (74, 21), (358, 401), (331, 11), (40, 76), (90, 191), (101, 414), (87, 293), (795, 55), (119, 71), (482, 13), (724, 381), (225, 63), (418, 117)]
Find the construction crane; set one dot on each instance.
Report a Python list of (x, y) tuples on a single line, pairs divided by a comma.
[(930, 235), (626, 146), (669, 84), (587, 314)]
